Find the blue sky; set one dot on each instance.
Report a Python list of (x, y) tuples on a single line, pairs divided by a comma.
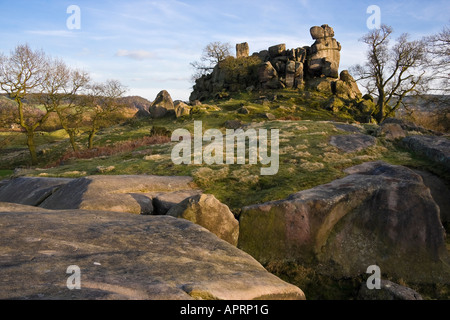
[(148, 45)]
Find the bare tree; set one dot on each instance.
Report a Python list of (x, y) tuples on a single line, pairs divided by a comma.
[(102, 102), (391, 72), (60, 92), (22, 74), (439, 50), (213, 53)]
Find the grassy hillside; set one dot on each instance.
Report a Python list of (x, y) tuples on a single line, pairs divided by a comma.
[(306, 157)]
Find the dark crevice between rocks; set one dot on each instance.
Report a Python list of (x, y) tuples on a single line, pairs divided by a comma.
[(146, 203)]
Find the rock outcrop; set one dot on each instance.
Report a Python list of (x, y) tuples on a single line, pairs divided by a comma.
[(379, 214), (324, 57), (242, 50), (181, 109), (124, 256), (162, 106), (315, 67)]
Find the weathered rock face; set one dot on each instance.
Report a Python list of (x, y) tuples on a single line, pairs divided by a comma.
[(162, 106), (440, 193), (124, 256), (435, 148), (378, 215), (30, 191), (325, 54), (279, 67), (210, 213), (391, 131), (346, 87)]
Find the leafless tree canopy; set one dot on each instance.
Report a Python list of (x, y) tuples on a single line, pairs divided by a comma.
[(392, 72), (28, 74), (439, 52), (213, 53)]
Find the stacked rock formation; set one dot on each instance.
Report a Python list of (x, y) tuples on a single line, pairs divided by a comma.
[(315, 67), (324, 55)]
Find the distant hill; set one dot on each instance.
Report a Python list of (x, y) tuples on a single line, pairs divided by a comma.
[(428, 103), (136, 102)]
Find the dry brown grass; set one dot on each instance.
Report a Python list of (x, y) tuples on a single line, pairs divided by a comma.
[(436, 121), (117, 148)]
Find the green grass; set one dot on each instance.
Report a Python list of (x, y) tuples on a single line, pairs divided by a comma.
[(5, 174)]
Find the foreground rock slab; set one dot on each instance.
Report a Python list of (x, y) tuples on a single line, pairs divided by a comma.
[(124, 256), (378, 215)]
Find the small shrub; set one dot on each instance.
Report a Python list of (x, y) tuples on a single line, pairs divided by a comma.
[(160, 131)]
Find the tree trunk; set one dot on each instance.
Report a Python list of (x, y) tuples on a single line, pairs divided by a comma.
[(381, 106), (32, 147), (91, 139), (72, 141)]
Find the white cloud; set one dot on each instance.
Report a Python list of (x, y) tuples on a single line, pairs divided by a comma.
[(136, 55)]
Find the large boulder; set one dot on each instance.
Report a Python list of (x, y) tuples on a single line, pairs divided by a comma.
[(346, 87), (391, 131), (266, 72), (435, 148), (440, 191), (352, 142), (162, 106), (242, 50), (379, 214), (277, 50), (124, 256), (211, 214), (181, 109), (133, 194)]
